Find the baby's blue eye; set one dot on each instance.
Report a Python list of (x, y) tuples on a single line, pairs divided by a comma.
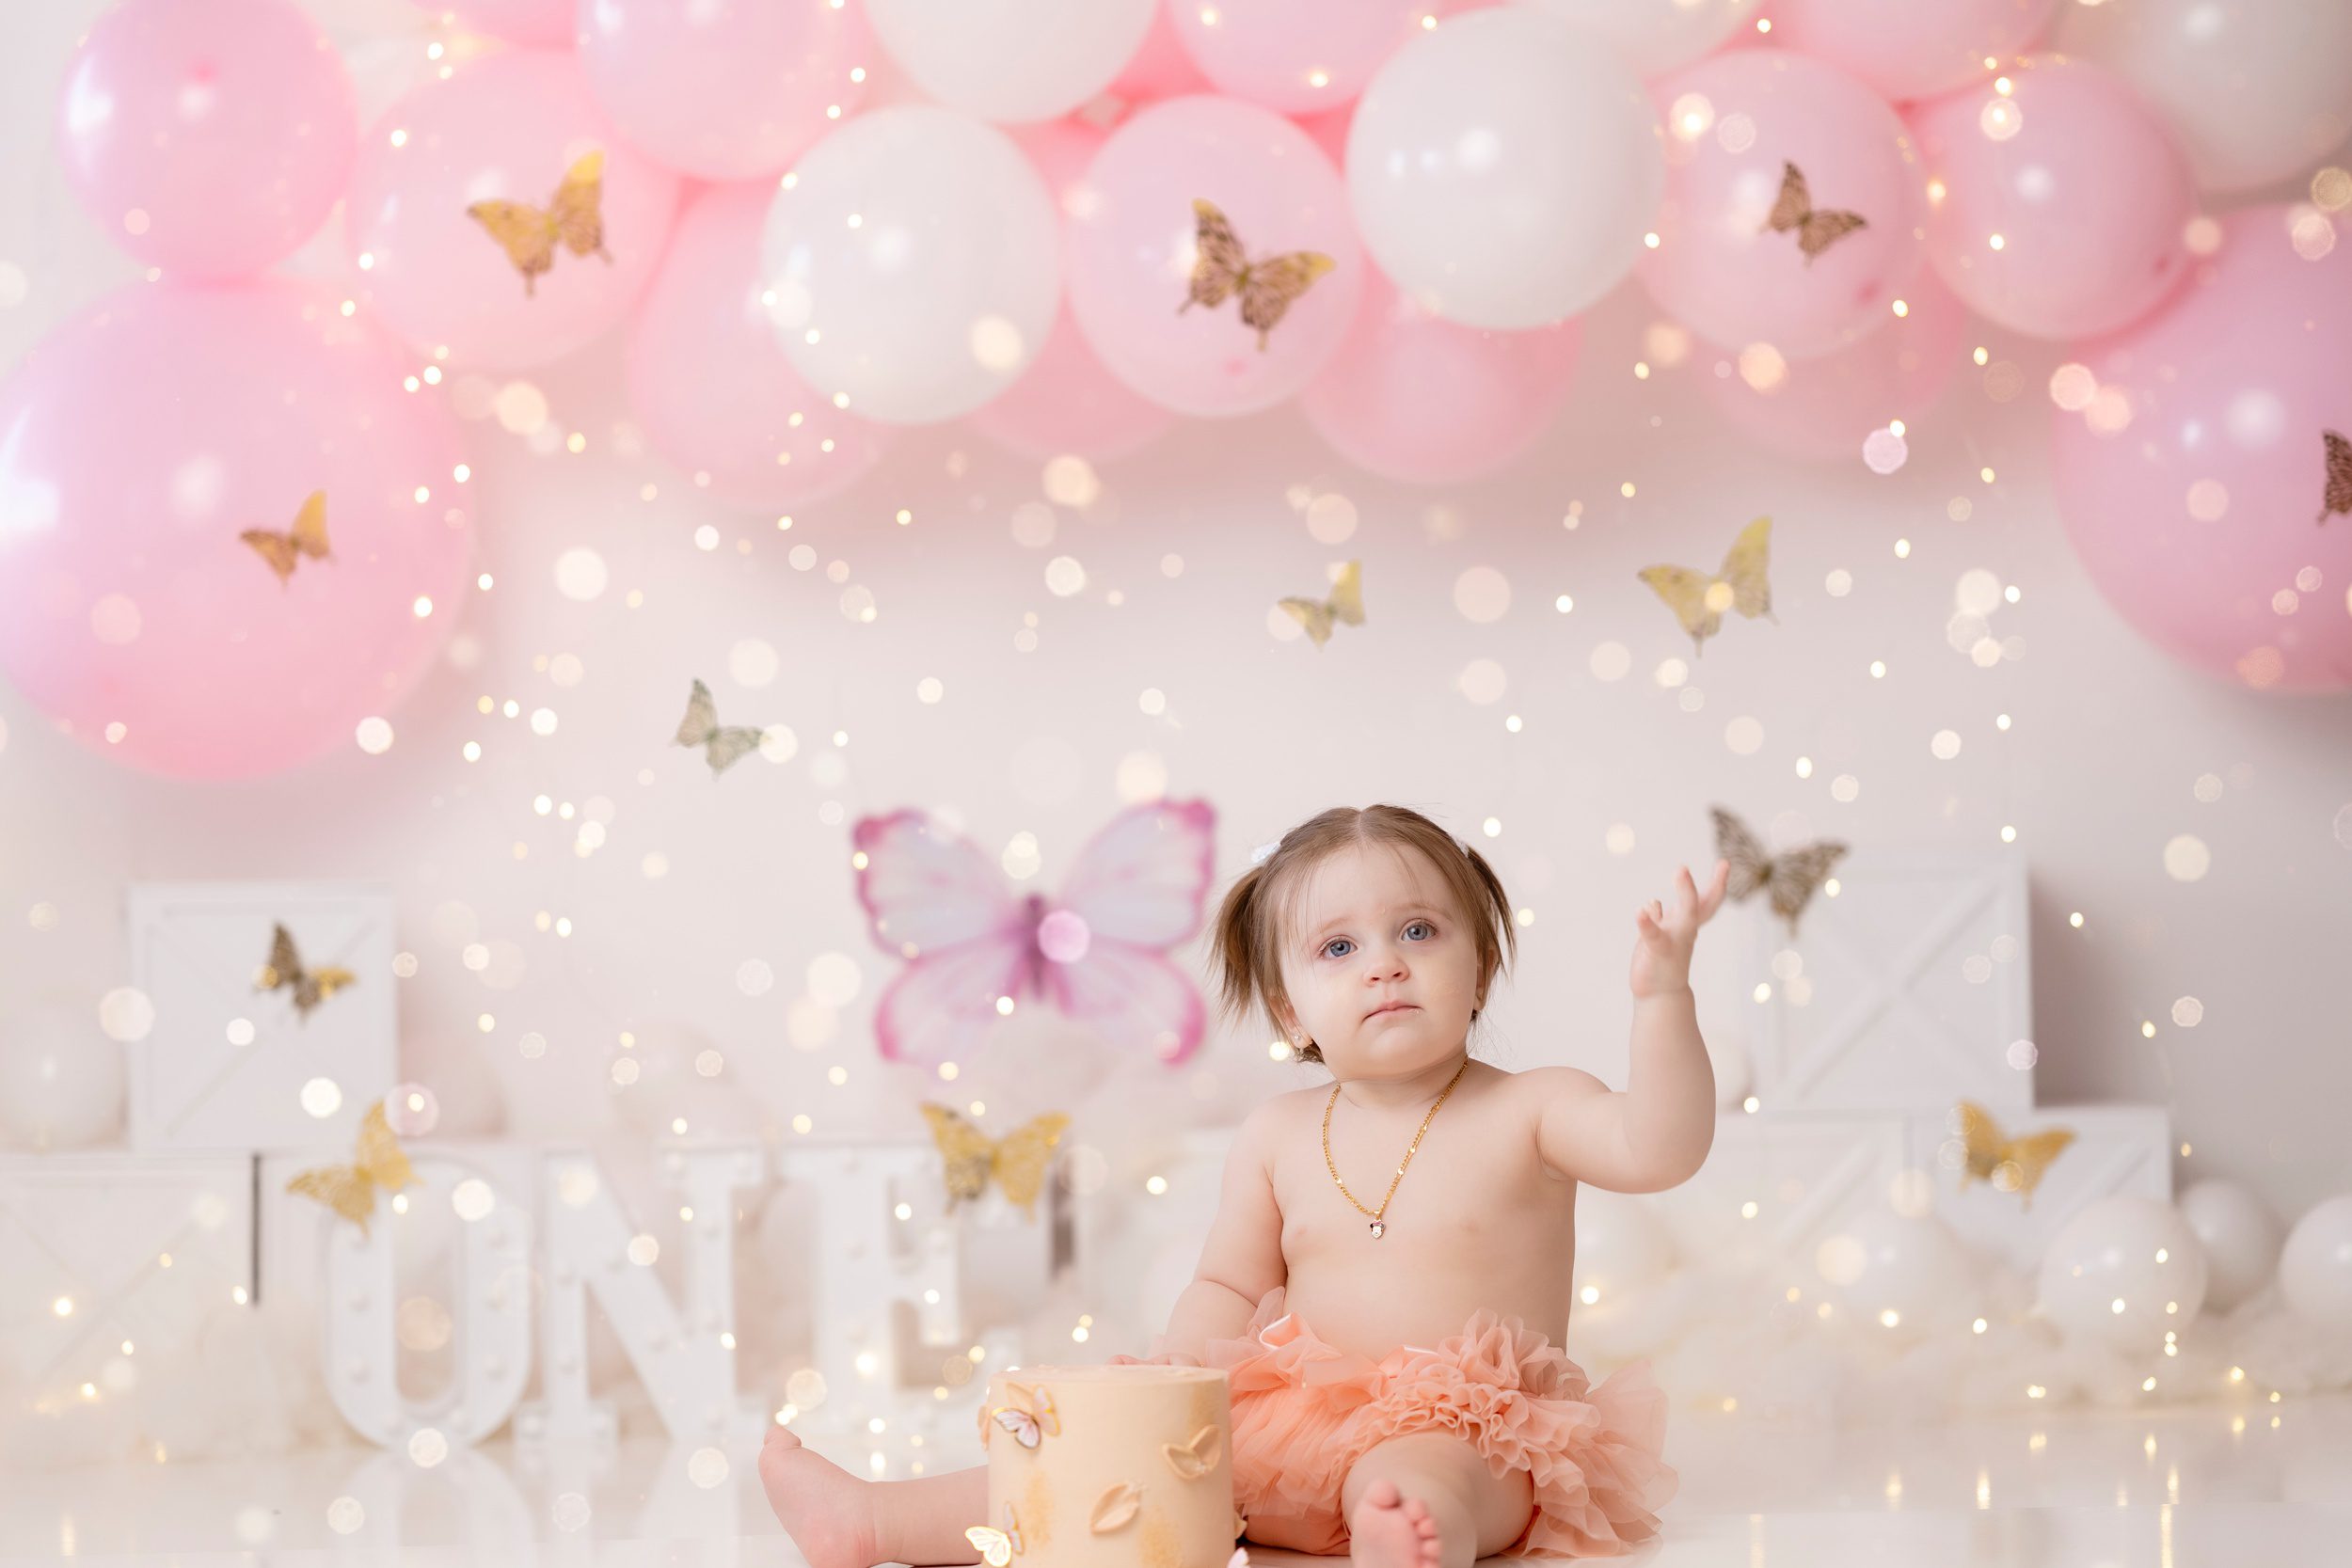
[(1423, 925), (1336, 942)]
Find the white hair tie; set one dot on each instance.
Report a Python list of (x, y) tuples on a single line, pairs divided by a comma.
[(1258, 856)]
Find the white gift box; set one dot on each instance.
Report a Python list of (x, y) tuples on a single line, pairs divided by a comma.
[(230, 1066), (2117, 1150), (107, 1247), (1908, 989), (1775, 1186)]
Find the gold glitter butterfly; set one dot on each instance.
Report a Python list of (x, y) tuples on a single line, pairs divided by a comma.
[(1018, 1160), (1220, 267), (1699, 599), (2339, 496), (996, 1546), (724, 746), (307, 536), (1031, 1419), (1816, 231), (284, 971), (377, 1166), (2012, 1164), (1115, 1507), (529, 234), (1345, 602), (1193, 1460), (1790, 879)]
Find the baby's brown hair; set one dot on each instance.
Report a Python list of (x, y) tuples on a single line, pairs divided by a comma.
[(1258, 906)]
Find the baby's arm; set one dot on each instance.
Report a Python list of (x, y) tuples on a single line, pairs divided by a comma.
[(1654, 1135), (1243, 1258)]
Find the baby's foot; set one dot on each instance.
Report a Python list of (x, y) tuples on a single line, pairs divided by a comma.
[(828, 1513), (1392, 1531)]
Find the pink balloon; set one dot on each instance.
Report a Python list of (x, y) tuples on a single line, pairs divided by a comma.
[(1160, 69), (2193, 482), (1297, 55), (145, 435), (207, 137), (1130, 248), (1734, 122), (1824, 408), (2078, 181), (542, 22), (508, 127), (1066, 402), (710, 382), (1908, 49), (1413, 397), (727, 91)]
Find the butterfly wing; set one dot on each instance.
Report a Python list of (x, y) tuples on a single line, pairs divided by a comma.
[(380, 1158), (341, 1188), (702, 717), (275, 548), (285, 964), (2030, 1155), (309, 527), (524, 232), (1744, 569), (730, 745), (578, 211), (944, 1006), (995, 1545), (1796, 876), (1750, 864), (1313, 614), (2339, 493), (1022, 1424), (1115, 1507), (1218, 260), (1794, 201), (925, 888), (965, 1152), (1347, 594), (1819, 230), (1684, 591), (1019, 1161), (1981, 1141), (1144, 877), (1270, 286)]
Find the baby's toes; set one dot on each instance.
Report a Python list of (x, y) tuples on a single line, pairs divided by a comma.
[(1385, 1494)]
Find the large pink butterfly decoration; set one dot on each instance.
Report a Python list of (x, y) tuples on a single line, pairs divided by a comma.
[(1098, 953)]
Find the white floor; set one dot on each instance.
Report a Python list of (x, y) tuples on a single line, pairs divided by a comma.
[(2258, 1484)]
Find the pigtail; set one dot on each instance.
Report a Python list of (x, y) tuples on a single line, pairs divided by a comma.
[(1235, 930), (1498, 904)]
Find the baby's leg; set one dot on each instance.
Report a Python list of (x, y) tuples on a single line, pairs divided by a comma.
[(1427, 1500), (838, 1520)]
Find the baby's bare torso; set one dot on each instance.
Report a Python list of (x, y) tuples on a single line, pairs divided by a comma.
[(1478, 1220)]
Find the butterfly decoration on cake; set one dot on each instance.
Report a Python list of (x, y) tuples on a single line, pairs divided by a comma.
[(284, 550), (1030, 1417), (1345, 604), (285, 972), (996, 1546), (1816, 229), (1118, 1504), (1788, 879), (1018, 1160), (1985, 1153), (377, 1165), (1221, 268), (976, 949), (1197, 1457), (2337, 496), (1699, 599), (724, 744), (573, 218)]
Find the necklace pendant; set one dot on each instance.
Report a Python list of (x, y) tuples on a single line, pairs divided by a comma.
[(1378, 1228)]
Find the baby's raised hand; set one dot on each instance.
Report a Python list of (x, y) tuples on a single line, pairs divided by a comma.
[(1665, 937)]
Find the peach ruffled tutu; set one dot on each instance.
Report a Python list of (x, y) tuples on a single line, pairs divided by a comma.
[(1304, 1411)]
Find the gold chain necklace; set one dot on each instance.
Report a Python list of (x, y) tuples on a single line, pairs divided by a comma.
[(1379, 1226)]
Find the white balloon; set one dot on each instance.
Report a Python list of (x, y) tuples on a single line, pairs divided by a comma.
[(2256, 89), (1011, 59), (2241, 1237), (1503, 167), (60, 1078), (2315, 1266), (2122, 1272), (912, 264), (1896, 1271), (1656, 36)]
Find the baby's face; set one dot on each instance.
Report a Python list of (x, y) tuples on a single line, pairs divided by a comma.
[(1376, 926)]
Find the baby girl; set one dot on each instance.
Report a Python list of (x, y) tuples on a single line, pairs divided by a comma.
[(1389, 1325)]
